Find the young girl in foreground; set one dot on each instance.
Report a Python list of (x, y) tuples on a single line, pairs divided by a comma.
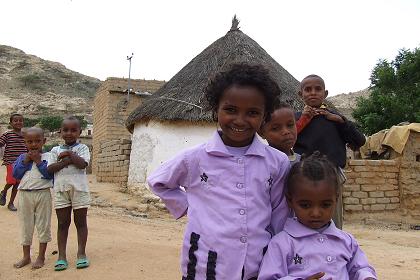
[(310, 246), (232, 183)]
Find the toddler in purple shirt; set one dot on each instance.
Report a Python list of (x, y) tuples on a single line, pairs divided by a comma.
[(231, 184), (310, 246)]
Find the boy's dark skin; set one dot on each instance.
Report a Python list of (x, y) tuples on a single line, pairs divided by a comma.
[(16, 123), (34, 140), (70, 132)]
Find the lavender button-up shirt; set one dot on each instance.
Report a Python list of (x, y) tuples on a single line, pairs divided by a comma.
[(230, 201), (299, 252)]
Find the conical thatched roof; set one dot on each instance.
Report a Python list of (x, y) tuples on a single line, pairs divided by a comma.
[(182, 97)]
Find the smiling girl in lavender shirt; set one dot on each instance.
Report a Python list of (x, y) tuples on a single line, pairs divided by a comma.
[(310, 246), (233, 183)]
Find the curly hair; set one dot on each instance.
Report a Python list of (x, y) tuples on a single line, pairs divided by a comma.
[(315, 167), (243, 74)]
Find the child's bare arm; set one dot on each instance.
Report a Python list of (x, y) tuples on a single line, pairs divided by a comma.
[(78, 161), (55, 167)]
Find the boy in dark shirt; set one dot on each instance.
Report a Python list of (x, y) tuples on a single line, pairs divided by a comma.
[(325, 130)]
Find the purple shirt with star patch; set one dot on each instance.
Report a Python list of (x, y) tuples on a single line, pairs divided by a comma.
[(230, 200), (299, 252)]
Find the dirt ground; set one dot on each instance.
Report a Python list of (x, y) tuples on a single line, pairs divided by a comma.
[(127, 241)]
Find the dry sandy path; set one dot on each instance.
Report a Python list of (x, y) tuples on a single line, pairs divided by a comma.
[(122, 246)]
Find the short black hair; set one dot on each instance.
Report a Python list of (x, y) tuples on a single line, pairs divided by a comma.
[(282, 104), (315, 167), (243, 74), (312, 76), (73, 119), (14, 115)]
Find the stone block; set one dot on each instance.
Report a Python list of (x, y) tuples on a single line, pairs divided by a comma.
[(360, 168), (355, 162), (359, 194), (389, 175), (374, 162), (365, 201), (389, 162), (366, 207), (395, 199), (376, 194), (392, 181), (392, 206), (369, 188), (346, 194), (391, 169), (353, 207), (351, 200), (348, 187), (392, 193), (368, 174), (387, 187), (377, 207), (383, 200)]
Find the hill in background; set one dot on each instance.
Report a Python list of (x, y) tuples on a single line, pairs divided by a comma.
[(346, 102), (36, 87)]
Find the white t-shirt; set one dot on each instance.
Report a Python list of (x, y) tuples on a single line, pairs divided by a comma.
[(70, 177)]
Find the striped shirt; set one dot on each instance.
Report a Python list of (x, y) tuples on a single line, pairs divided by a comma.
[(14, 146)]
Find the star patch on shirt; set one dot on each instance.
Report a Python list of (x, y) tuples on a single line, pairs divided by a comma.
[(297, 259), (204, 177), (270, 181)]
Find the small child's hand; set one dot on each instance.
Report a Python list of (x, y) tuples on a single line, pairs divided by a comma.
[(35, 156), (27, 158), (316, 276), (65, 154), (309, 111), (330, 116)]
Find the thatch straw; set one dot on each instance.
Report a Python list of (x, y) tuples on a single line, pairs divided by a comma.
[(182, 97)]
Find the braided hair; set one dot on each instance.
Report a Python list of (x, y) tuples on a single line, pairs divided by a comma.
[(315, 167)]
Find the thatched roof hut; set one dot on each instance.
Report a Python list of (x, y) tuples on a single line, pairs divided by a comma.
[(182, 97)]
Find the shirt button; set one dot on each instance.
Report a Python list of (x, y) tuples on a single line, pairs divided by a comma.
[(239, 185), (321, 239), (329, 259), (240, 161), (243, 239), (242, 212)]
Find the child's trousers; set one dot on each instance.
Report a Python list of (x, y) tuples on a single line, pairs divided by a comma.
[(35, 208)]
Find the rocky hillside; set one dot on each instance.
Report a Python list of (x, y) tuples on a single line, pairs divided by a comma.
[(36, 87), (346, 102)]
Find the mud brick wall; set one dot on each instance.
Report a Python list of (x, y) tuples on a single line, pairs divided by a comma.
[(113, 160), (409, 177), (372, 186), (111, 110)]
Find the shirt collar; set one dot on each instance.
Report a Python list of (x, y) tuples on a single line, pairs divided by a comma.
[(215, 146), (64, 146), (294, 228)]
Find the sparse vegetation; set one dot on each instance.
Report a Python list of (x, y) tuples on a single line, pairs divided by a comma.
[(52, 123), (395, 95)]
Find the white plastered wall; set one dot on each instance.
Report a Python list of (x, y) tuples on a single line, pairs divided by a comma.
[(155, 142)]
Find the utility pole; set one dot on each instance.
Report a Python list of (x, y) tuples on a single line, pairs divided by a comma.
[(129, 76)]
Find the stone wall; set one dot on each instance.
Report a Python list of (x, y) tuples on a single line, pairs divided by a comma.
[(112, 161), (372, 185), (111, 109), (385, 189)]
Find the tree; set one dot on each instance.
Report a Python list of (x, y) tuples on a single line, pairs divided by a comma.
[(52, 123), (395, 93), (83, 122)]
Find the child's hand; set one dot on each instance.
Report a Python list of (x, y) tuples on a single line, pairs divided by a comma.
[(316, 276), (330, 116), (65, 154), (309, 111), (35, 156), (27, 159)]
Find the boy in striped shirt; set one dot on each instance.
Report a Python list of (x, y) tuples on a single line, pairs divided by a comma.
[(14, 145)]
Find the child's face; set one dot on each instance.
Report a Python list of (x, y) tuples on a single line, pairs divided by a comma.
[(240, 114), (70, 131), (17, 123), (313, 91), (34, 140), (280, 131), (313, 201)]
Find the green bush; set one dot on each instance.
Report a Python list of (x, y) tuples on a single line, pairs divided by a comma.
[(48, 147), (30, 122), (52, 123)]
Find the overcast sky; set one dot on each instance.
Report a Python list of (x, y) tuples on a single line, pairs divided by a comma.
[(339, 40)]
